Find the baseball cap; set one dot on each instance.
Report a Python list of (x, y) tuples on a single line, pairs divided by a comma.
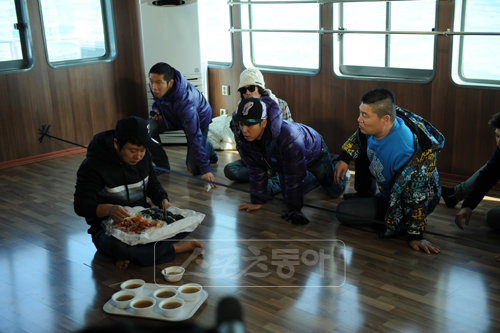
[(251, 111)]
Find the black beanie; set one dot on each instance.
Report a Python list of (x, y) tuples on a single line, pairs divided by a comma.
[(132, 128)]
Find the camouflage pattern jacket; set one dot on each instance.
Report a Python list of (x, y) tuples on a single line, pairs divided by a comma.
[(415, 190)]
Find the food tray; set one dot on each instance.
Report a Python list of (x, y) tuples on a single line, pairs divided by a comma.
[(190, 307)]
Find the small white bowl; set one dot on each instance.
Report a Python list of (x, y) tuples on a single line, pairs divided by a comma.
[(168, 310), (173, 273), (122, 298), (165, 293), (135, 285), (143, 305), (190, 291)]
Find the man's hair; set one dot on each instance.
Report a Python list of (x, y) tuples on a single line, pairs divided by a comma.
[(263, 92), (495, 120), (163, 68), (383, 102)]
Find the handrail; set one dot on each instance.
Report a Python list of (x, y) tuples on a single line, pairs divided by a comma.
[(320, 2), (448, 32)]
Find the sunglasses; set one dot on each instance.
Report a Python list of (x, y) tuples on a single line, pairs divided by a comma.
[(251, 88)]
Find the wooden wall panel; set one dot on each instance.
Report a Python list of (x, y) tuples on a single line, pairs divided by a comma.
[(330, 105), (83, 100), (76, 101)]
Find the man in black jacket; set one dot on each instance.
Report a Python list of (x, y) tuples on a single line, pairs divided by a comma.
[(475, 187), (118, 172)]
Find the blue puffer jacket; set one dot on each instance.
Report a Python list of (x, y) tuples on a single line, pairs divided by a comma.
[(286, 147), (184, 107)]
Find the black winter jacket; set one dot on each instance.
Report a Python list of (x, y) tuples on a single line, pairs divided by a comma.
[(104, 179)]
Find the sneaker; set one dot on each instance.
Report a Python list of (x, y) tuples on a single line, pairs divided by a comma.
[(448, 194), (214, 159)]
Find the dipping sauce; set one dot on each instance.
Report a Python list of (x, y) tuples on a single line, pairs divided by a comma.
[(165, 294), (171, 305), (142, 304), (190, 290), (133, 286), (125, 298)]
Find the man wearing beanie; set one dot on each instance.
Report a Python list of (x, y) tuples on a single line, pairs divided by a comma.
[(267, 142), (252, 85), (179, 105), (118, 172)]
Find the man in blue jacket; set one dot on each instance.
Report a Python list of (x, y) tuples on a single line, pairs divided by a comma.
[(268, 144), (179, 105)]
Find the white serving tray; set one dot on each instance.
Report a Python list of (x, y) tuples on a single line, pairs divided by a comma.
[(190, 307)]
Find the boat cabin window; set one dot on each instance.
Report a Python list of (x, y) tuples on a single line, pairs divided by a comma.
[(391, 40), (15, 46), (77, 31), (476, 51)]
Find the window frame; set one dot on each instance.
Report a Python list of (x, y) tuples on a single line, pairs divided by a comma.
[(109, 40), (26, 63), (271, 68), (396, 74), (457, 52), (225, 65)]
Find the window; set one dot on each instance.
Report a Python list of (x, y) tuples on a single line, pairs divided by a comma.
[(366, 51), (77, 31), (296, 51), (475, 57), (215, 21), (15, 49)]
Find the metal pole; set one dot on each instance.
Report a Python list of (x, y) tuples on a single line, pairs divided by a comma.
[(323, 31)]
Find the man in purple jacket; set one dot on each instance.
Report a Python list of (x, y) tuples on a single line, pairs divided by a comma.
[(269, 144), (179, 105)]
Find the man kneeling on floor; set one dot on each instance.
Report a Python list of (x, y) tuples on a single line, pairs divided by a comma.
[(269, 144), (118, 172), (395, 149)]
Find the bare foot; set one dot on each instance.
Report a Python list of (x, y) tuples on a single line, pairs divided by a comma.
[(122, 264), (187, 246)]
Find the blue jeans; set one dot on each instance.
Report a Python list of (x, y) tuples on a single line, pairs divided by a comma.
[(493, 215), (159, 156), (141, 254), (464, 187), (237, 171), (209, 149), (323, 169)]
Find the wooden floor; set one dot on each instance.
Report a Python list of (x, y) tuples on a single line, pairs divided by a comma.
[(335, 278)]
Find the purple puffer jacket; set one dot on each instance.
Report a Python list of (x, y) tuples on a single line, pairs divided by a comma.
[(184, 107), (288, 148)]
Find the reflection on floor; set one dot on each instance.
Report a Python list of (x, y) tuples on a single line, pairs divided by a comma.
[(320, 277)]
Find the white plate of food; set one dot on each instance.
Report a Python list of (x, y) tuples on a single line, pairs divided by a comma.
[(148, 225)]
